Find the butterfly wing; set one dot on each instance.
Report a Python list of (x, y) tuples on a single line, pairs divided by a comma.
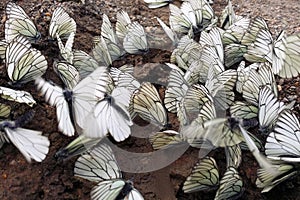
[(62, 24), (98, 165), (30, 143), (135, 41), (17, 96), (283, 142), (205, 176), (19, 23), (147, 103), (231, 185), (55, 97)]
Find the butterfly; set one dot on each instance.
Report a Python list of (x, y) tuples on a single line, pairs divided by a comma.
[(19, 23), (30, 143), (148, 105), (82, 97), (268, 180), (66, 50), (204, 176), (24, 63), (67, 73), (157, 3), (283, 142), (100, 165), (135, 40), (110, 114), (61, 24), (231, 185), (17, 96)]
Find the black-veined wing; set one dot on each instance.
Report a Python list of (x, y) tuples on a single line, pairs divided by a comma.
[(236, 31), (170, 33), (110, 115), (83, 97), (243, 110), (84, 63), (243, 74), (78, 146), (17, 96), (67, 73), (291, 66), (55, 97), (135, 41), (157, 3), (19, 23), (98, 165), (234, 53), (178, 21), (186, 52), (221, 86), (147, 103), (23, 63), (111, 39), (101, 53), (124, 79), (228, 16), (62, 24), (66, 50), (3, 45), (122, 24), (192, 103), (264, 76), (231, 185), (233, 156), (268, 108), (165, 139), (205, 176), (107, 31), (4, 111), (268, 180), (283, 143), (214, 40), (30, 143), (87, 92), (176, 90)]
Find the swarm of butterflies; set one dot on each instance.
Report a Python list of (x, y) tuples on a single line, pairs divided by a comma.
[(221, 86)]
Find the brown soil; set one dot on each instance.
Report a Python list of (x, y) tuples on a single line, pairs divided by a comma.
[(54, 180)]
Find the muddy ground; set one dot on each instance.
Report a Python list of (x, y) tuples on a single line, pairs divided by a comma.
[(54, 180)]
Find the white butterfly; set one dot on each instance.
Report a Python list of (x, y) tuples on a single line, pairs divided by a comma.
[(205, 176), (122, 24), (17, 96), (67, 73), (100, 166), (83, 98), (61, 24), (66, 50), (283, 142), (157, 3), (147, 103), (135, 40), (231, 185), (110, 115), (24, 63), (19, 23), (30, 143)]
